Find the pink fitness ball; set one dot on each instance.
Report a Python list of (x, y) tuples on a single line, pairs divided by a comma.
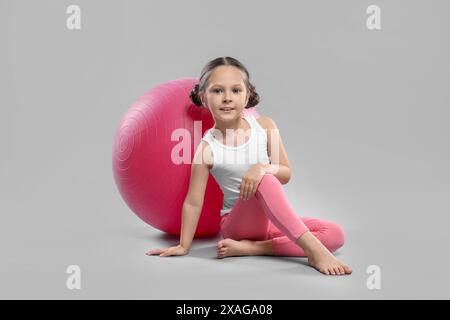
[(151, 183)]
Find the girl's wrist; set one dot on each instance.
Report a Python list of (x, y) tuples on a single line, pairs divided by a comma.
[(184, 247), (263, 168)]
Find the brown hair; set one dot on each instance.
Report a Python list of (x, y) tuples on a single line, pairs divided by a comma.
[(206, 72)]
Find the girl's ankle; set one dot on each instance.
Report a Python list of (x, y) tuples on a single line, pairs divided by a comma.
[(309, 243)]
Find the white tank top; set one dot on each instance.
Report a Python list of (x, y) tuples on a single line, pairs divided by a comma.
[(231, 163)]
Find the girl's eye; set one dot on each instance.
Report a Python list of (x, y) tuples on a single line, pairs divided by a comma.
[(220, 90)]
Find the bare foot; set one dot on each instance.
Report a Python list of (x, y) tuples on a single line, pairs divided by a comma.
[(321, 258), (229, 248), (328, 264)]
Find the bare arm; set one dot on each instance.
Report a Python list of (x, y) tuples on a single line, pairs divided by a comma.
[(279, 165), (193, 204)]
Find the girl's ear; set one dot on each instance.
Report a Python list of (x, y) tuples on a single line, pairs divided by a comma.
[(201, 98)]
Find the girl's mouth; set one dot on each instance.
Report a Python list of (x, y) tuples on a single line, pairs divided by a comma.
[(226, 110)]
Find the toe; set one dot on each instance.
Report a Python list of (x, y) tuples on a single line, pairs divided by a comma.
[(341, 270), (332, 271), (324, 271), (321, 270), (347, 269), (337, 270)]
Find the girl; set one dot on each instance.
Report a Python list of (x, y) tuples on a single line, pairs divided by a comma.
[(256, 217)]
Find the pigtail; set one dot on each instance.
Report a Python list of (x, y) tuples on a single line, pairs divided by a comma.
[(195, 98), (254, 98)]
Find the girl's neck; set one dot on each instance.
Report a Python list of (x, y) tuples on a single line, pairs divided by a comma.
[(234, 125)]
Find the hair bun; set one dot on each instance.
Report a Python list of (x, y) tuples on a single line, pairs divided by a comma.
[(254, 97), (195, 98)]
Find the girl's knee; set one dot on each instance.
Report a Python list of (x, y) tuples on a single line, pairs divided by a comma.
[(338, 236), (335, 237), (267, 184)]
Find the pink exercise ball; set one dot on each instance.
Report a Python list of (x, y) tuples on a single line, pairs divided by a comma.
[(152, 185)]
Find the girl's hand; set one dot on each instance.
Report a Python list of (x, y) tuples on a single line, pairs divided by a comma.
[(172, 251), (251, 180)]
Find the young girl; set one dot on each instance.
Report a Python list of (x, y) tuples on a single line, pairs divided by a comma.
[(256, 217)]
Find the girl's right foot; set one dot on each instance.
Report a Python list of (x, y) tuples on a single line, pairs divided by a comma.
[(233, 248)]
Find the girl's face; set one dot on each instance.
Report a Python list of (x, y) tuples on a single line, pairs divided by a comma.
[(226, 93)]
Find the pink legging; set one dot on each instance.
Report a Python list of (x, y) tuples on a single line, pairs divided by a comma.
[(269, 216)]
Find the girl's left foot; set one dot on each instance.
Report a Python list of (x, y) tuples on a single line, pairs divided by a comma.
[(232, 248)]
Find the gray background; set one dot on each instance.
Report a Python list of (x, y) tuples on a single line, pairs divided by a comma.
[(364, 116)]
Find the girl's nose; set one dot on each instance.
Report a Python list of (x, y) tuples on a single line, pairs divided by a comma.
[(227, 97)]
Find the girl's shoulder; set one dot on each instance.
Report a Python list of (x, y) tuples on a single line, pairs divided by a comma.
[(266, 122), (204, 154)]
